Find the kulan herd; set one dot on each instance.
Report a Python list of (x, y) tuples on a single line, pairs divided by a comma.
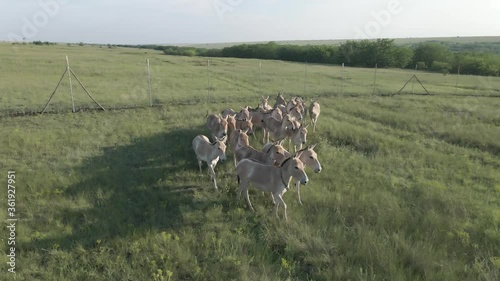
[(272, 168)]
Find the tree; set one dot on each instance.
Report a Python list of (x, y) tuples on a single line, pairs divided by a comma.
[(402, 57), (431, 52)]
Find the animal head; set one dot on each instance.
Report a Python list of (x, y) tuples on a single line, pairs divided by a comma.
[(264, 101), (221, 131), (245, 125), (280, 100), (303, 134), (310, 158), (296, 168), (296, 113), (220, 145), (288, 121), (291, 104), (278, 153), (231, 122), (244, 114), (243, 138)]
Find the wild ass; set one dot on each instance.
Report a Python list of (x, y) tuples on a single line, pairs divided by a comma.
[(217, 126), (265, 104), (280, 100), (210, 153), (296, 112), (231, 123), (269, 178), (258, 116), (276, 130), (274, 153), (245, 125), (228, 112), (310, 159), (298, 136), (238, 138), (244, 113), (314, 111)]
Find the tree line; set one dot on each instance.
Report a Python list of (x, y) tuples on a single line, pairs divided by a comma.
[(385, 53)]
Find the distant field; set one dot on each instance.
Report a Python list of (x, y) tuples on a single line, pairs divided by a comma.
[(117, 77), (410, 187), (399, 41)]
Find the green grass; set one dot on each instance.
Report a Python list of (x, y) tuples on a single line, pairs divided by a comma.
[(410, 187)]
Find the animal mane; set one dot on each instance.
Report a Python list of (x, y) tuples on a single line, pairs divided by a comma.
[(286, 160), (302, 150), (269, 149)]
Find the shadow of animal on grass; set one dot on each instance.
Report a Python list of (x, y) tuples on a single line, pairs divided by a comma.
[(132, 188)]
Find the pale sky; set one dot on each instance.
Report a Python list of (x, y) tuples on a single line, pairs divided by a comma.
[(211, 21)]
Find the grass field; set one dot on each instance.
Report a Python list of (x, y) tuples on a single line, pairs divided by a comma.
[(410, 187)]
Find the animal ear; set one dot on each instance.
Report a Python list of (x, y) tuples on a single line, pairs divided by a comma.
[(312, 146), (267, 98)]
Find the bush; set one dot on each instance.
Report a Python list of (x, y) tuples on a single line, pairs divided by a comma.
[(421, 65), (439, 66)]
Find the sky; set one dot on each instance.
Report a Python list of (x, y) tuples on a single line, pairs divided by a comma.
[(215, 21)]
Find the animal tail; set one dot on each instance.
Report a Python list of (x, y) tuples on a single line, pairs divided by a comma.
[(237, 176)]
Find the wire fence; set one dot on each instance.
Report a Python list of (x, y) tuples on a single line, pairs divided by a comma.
[(169, 80)]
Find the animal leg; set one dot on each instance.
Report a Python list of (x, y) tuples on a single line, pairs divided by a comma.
[(274, 200), (247, 197), (211, 171), (199, 165), (240, 189), (276, 205), (281, 201), (298, 192), (215, 184)]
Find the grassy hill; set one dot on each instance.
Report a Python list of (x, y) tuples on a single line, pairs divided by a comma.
[(410, 186), (399, 41)]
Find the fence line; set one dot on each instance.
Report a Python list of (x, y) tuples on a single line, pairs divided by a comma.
[(313, 83)]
